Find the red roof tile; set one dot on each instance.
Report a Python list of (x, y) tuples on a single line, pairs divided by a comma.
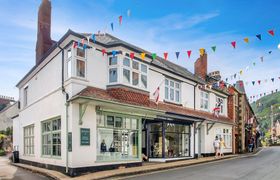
[(126, 95)]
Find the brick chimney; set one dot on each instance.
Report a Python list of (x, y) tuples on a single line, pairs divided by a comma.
[(44, 41), (200, 66)]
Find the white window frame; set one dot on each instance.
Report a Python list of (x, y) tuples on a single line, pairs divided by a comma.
[(28, 140), (25, 96), (84, 59), (222, 107), (69, 60), (167, 86), (120, 74), (203, 99), (226, 134)]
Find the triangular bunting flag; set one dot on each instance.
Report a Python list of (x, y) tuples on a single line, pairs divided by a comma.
[(154, 55), (112, 26), (93, 37), (259, 36), (233, 44), (240, 72), (269, 52), (103, 51), (213, 48), (114, 53), (246, 40), (189, 53), (262, 59), (201, 51), (271, 32), (165, 55), (120, 20), (272, 79), (234, 76), (254, 63), (259, 81), (75, 45), (131, 55), (226, 79), (177, 54), (143, 56), (253, 82)]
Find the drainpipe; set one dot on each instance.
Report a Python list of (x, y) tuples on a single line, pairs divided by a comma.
[(66, 105), (194, 107)]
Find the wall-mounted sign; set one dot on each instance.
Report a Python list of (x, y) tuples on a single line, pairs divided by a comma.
[(85, 136)]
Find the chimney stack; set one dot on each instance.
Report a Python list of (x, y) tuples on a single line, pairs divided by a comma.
[(44, 41), (200, 66)]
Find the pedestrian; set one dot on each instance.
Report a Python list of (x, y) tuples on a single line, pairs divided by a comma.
[(103, 147), (216, 145), (222, 147)]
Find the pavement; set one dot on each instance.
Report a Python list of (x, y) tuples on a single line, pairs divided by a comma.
[(263, 166), (131, 172), (7, 171)]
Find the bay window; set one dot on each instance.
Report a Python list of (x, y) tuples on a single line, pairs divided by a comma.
[(77, 61), (204, 100), (172, 91), (128, 71)]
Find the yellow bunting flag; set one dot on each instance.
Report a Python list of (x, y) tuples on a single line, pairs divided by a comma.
[(143, 56), (201, 51), (241, 72), (246, 40)]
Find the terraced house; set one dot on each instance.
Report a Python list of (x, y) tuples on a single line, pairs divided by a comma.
[(98, 107)]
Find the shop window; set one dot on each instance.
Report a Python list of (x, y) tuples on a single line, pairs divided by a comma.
[(118, 139), (28, 140), (51, 137), (226, 135)]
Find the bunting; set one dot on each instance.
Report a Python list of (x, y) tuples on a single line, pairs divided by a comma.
[(112, 26), (189, 53), (154, 55), (271, 32), (213, 48), (165, 55), (131, 55), (201, 51), (259, 36), (103, 52), (120, 20), (233, 43), (143, 56), (246, 40), (177, 54)]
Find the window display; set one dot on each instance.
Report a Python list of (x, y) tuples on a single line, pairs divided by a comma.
[(117, 138)]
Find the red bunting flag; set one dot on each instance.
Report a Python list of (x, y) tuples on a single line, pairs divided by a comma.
[(131, 55), (189, 53), (259, 81), (165, 55), (75, 44), (103, 51), (120, 20), (271, 32), (233, 43)]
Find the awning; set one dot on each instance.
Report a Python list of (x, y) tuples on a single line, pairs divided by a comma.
[(173, 116)]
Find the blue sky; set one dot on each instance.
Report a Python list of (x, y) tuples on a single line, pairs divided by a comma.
[(157, 26)]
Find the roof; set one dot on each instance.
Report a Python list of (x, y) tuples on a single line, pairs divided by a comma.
[(101, 94)]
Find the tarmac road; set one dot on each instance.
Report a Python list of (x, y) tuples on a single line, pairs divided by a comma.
[(264, 166)]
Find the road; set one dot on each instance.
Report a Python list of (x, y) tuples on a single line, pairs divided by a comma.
[(8, 171), (264, 166)]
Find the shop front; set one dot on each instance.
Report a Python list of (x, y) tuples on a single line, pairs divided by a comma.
[(167, 138)]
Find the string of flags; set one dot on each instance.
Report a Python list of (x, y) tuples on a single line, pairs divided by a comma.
[(263, 81), (260, 95)]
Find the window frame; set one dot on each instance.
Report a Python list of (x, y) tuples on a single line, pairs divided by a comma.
[(25, 96), (222, 107), (51, 133), (120, 66), (174, 88), (203, 99), (84, 59), (226, 134), (30, 139), (69, 60)]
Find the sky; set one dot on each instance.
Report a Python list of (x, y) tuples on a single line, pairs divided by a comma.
[(156, 26)]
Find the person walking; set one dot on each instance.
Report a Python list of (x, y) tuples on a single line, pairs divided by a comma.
[(216, 145), (222, 147)]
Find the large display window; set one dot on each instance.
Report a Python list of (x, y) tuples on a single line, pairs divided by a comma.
[(117, 137), (168, 140)]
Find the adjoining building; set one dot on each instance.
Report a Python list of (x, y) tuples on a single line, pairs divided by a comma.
[(96, 107), (8, 110)]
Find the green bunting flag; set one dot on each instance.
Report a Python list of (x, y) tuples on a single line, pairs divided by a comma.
[(154, 55), (213, 48)]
